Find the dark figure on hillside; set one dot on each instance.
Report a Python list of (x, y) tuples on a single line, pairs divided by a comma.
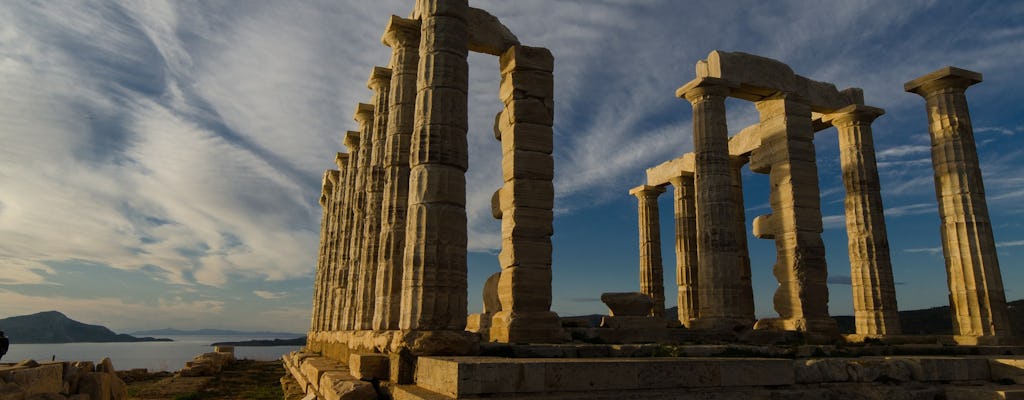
[(4, 344)]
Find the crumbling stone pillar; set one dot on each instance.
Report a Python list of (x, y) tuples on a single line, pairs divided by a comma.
[(526, 199), (651, 272), (320, 285), (746, 299), (364, 116), (686, 248), (976, 294), (403, 36), (719, 267), (434, 274), (874, 293), (339, 293), (787, 156), (380, 83)]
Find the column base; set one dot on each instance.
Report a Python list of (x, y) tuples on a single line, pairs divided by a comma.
[(814, 329), (480, 324), (996, 340), (721, 324), (526, 327)]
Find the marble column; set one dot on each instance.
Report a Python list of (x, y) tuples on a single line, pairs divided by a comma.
[(787, 156), (341, 296), (651, 270), (976, 293), (719, 269), (319, 287), (434, 274), (686, 248), (364, 116), (746, 299), (380, 83), (874, 293), (403, 36), (334, 236)]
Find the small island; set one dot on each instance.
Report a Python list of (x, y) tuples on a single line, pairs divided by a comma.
[(299, 341)]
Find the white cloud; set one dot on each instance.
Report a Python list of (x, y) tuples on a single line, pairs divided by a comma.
[(263, 294)]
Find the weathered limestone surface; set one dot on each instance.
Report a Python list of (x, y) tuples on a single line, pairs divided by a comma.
[(628, 304), (686, 249), (746, 298), (364, 116), (345, 222), (434, 273), (403, 36), (976, 293), (719, 267), (874, 292), (651, 269), (319, 300), (787, 156), (380, 83)]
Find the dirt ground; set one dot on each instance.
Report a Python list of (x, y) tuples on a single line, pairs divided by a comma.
[(242, 380)]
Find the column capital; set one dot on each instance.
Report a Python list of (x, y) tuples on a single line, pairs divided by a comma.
[(854, 113), (401, 32), (646, 191), (364, 113), (352, 140), (943, 78), (702, 87), (341, 159), (681, 180), (380, 78)]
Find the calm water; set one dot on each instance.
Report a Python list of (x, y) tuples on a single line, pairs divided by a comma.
[(154, 356)]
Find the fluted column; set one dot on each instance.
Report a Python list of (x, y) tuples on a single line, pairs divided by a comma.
[(335, 235), (746, 299), (364, 116), (874, 293), (434, 274), (319, 287), (340, 294), (787, 156), (380, 83), (403, 36), (686, 248), (976, 294), (651, 270), (719, 268)]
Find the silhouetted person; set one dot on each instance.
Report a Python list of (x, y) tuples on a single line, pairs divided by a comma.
[(4, 344)]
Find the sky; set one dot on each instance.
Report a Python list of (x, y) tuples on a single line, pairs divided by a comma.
[(160, 161)]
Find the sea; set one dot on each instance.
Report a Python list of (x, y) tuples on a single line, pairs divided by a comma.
[(154, 356)]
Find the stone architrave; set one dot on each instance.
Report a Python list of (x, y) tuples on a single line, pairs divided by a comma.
[(976, 295), (403, 36), (364, 116), (380, 83), (316, 324), (719, 267), (344, 222), (651, 269), (526, 200), (787, 156), (434, 267), (874, 292), (746, 299), (686, 248)]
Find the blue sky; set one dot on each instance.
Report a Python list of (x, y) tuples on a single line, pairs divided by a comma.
[(160, 161)]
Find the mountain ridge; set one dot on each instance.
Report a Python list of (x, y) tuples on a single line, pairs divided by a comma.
[(55, 327)]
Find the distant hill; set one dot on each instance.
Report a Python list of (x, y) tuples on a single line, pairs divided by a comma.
[(299, 341), (54, 327), (211, 332)]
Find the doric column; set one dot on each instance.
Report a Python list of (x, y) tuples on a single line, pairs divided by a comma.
[(319, 288), (364, 116), (434, 274), (380, 83), (719, 268), (651, 273), (403, 36), (874, 293), (787, 156), (335, 234), (746, 299), (526, 198), (340, 293), (686, 248), (975, 285)]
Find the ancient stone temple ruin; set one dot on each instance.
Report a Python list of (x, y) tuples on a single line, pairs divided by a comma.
[(389, 312)]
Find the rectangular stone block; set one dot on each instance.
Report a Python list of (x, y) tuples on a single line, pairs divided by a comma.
[(436, 183), (525, 289), (441, 105), (1007, 370), (444, 70), (525, 136), (426, 8), (313, 368), (532, 111), (47, 378), (763, 372), (525, 251), (369, 366), (521, 222), (517, 85), (444, 33), (527, 165), (529, 193), (526, 58), (954, 369)]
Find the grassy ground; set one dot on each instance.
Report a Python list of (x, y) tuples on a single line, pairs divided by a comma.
[(244, 379)]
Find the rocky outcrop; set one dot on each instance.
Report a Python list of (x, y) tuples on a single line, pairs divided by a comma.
[(81, 380), (209, 364)]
